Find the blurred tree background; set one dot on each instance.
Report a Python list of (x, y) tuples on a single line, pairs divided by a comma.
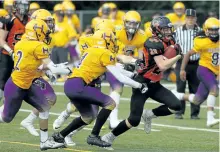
[(202, 7)]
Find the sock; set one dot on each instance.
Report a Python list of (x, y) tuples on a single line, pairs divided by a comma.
[(162, 111), (100, 120), (1, 120), (114, 114), (31, 117), (43, 135), (120, 129), (211, 100), (75, 124), (191, 98), (210, 115)]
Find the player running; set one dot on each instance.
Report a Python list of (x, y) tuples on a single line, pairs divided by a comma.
[(94, 62), (153, 65), (29, 54), (11, 29), (49, 93), (208, 71)]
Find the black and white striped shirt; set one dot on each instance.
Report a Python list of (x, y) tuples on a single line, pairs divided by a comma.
[(184, 37)]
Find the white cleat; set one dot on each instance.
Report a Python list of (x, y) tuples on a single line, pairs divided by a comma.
[(177, 94), (212, 122), (51, 144), (69, 141), (30, 127), (109, 138), (1, 108), (60, 120), (147, 118)]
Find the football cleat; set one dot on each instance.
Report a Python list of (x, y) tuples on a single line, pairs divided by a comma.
[(30, 127), (212, 122), (69, 141), (147, 117), (51, 144), (96, 140), (58, 138), (60, 120), (109, 138)]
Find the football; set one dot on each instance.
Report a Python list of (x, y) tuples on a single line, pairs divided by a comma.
[(170, 52)]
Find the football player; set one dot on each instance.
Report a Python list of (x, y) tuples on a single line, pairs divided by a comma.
[(116, 15), (28, 122), (8, 6), (85, 42), (178, 17), (207, 46), (11, 29), (94, 62), (153, 64), (132, 40), (71, 17), (33, 7), (105, 12), (29, 54)]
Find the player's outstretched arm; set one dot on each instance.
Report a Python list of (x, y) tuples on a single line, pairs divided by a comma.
[(61, 68), (123, 71), (164, 63), (126, 59), (126, 80), (184, 64)]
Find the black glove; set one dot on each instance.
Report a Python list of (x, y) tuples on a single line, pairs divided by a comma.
[(129, 67), (144, 88)]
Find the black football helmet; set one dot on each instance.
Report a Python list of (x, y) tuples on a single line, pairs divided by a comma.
[(162, 28)]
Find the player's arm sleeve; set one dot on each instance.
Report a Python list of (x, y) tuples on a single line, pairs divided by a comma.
[(41, 52), (107, 58), (76, 21), (123, 71), (197, 45), (122, 78)]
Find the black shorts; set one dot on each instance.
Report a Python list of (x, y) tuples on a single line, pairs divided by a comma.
[(6, 67)]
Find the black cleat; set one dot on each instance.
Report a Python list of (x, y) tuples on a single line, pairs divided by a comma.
[(96, 140), (57, 137), (178, 116), (195, 117)]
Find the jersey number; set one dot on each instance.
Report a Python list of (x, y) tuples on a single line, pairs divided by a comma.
[(19, 55), (81, 60), (215, 58)]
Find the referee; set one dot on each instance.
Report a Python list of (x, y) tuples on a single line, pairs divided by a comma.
[(184, 37)]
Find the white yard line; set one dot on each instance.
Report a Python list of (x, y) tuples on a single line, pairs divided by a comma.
[(148, 101), (154, 124)]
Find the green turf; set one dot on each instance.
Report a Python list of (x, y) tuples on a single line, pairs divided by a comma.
[(165, 140)]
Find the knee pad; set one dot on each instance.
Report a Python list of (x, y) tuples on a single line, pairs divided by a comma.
[(52, 100), (71, 108), (214, 91), (111, 105), (134, 120), (88, 119), (44, 115)]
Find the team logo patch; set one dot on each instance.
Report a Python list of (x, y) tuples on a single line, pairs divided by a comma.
[(45, 50), (112, 58)]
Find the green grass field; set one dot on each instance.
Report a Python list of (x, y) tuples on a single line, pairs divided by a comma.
[(168, 135)]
